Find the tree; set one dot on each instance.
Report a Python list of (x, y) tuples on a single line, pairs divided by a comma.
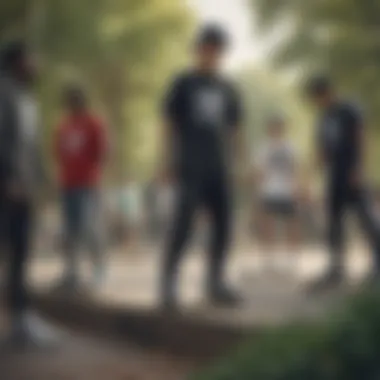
[(12, 15), (265, 95), (339, 37), (122, 51)]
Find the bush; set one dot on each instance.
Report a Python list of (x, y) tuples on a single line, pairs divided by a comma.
[(347, 347)]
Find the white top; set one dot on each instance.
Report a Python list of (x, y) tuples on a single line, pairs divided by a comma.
[(277, 162)]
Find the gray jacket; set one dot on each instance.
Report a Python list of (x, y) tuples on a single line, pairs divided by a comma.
[(20, 152)]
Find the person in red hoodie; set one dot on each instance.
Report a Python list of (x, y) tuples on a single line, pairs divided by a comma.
[(80, 148)]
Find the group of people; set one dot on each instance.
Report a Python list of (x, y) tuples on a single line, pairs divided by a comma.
[(204, 120), (203, 148), (79, 152)]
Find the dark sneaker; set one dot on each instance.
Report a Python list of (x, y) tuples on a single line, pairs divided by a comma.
[(331, 281), (225, 297)]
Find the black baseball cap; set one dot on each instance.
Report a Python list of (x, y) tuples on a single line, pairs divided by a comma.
[(319, 85), (213, 35)]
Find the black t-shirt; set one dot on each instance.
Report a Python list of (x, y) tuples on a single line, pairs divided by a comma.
[(202, 110), (339, 132)]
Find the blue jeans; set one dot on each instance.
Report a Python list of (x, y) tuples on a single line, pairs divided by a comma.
[(81, 220)]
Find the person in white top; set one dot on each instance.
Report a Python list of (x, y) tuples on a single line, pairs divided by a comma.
[(277, 178)]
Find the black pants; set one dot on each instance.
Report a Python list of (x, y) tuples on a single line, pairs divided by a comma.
[(342, 198), (16, 216), (211, 192)]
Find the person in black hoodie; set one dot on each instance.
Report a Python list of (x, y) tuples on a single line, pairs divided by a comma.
[(20, 177)]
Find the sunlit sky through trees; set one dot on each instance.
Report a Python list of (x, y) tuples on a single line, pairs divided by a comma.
[(236, 17)]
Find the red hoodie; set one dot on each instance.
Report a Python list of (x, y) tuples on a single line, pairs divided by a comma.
[(80, 149)]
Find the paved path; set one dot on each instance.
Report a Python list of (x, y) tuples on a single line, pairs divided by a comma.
[(79, 357), (134, 281)]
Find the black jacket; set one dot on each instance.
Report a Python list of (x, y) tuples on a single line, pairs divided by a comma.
[(20, 153)]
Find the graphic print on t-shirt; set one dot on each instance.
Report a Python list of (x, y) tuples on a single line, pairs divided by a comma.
[(277, 161), (281, 161), (74, 142), (208, 106)]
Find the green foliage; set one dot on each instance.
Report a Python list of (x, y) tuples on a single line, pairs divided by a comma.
[(12, 15), (123, 51), (265, 95), (336, 36), (345, 348)]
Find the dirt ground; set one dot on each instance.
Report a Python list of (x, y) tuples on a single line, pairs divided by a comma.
[(79, 357)]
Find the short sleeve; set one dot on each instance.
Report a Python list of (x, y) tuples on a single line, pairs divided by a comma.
[(234, 108), (173, 99)]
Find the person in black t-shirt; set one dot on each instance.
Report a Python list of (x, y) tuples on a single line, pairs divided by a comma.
[(202, 113), (340, 147)]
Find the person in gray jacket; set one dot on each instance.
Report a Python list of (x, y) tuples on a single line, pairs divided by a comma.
[(20, 177)]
